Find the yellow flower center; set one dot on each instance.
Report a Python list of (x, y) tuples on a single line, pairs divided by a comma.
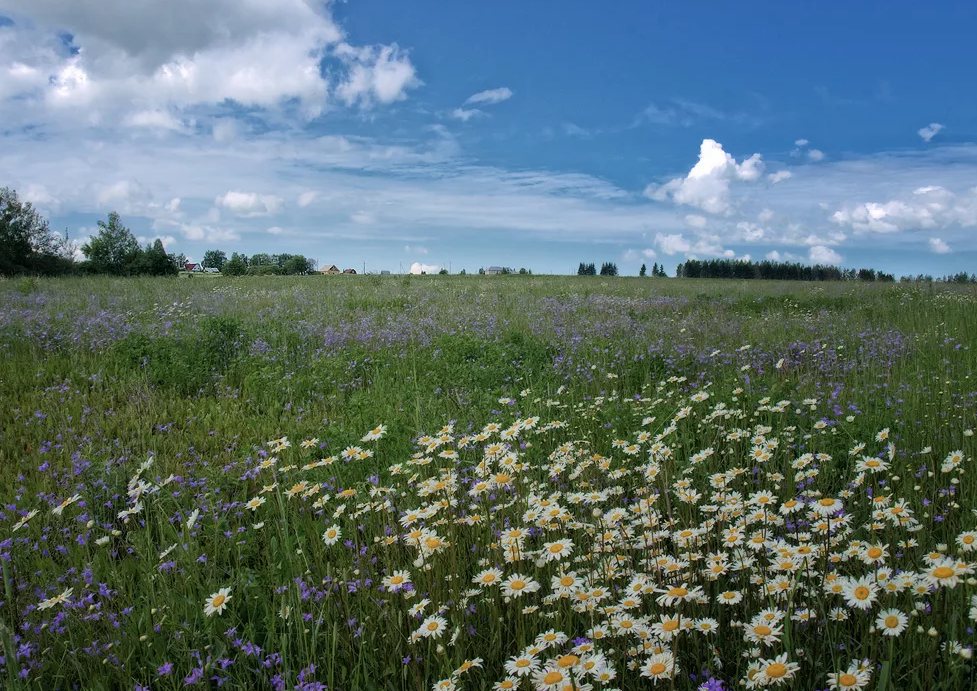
[(488, 578), (776, 670), (762, 630), (847, 680), (874, 552), (670, 625), (657, 668), (433, 626), (967, 539), (397, 580), (861, 592), (678, 592), (566, 581), (218, 601), (556, 548), (942, 572), (522, 664), (432, 543), (824, 502), (553, 677), (517, 584), (568, 661), (891, 621)]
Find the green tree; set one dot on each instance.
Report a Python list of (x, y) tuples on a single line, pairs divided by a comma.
[(235, 266), (295, 265), (27, 244), (443, 272), (156, 262), (215, 259), (114, 248), (644, 270)]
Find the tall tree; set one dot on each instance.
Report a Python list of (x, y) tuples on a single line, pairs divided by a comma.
[(114, 248), (27, 244), (644, 270), (215, 259), (156, 262)]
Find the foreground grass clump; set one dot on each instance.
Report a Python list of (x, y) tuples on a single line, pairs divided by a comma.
[(562, 484)]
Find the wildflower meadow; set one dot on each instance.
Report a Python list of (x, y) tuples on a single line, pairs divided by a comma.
[(499, 482)]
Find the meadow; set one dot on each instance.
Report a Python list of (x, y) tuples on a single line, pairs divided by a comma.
[(503, 482)]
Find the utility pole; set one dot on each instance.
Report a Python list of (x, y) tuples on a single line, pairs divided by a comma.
[(364, 267)]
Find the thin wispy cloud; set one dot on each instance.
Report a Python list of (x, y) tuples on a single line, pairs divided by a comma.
[(491, 96)]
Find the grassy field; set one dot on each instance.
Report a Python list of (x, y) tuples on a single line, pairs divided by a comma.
[(513, 482)]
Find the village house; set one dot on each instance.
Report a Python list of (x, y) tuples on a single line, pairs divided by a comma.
[(330, 269), (493, 270)]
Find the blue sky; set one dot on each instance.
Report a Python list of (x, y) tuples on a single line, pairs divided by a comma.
[(524, 134)]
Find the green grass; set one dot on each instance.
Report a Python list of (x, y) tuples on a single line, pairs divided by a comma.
[(99, 375)]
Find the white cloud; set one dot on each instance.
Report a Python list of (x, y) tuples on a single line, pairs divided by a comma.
[(167, 240), (927, 207), (695, 221), (276, 230), (417, 268), (363, 217), (707, 186), (765, 216), (466, 114), (776, 256), (307, 198), (376, 73), (248, 204), (139, 57), (649, 253), (779, 176), (819, 254), (930, 131), (491, 96), (815, 155), (937, 246), (154, 119), (225, 129), (674, 243), (801, 142)]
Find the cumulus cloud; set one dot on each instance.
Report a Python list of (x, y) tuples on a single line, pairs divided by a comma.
[(376, 74), (673, 243), (491, 96), (937, 246), (801, 142), (819, 254), (249, 204), (707, 186), (927, 207), (815, 155), (779, 176), (930, 131), (417, 268), (143, 58), (695, 221)]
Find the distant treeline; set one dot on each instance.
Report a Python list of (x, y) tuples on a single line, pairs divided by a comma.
[(774, 271)]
